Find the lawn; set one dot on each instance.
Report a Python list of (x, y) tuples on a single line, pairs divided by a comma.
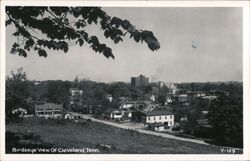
[(71, 135)]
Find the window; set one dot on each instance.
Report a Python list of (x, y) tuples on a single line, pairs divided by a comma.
[(160, 118), (154, 118), (166, 117), (148, 118), (170, 116)]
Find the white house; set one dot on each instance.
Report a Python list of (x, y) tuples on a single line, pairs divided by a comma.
[(211, 97), (20, 111), (171, 86), (127, 105), (152, 117), (152, 98), (75, 92), (114, 114), (168, 100), (199, 94), (109, 97), (72, 116)]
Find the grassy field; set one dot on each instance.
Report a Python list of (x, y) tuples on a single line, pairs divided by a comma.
[(71, 135)]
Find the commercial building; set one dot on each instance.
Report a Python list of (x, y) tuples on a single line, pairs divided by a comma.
[(164, 117), (49, 110), (141, 80)]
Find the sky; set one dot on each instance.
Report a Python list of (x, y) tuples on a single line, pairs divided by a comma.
[(216, 33)]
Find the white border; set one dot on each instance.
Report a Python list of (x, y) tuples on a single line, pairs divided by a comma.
[(246, 78)]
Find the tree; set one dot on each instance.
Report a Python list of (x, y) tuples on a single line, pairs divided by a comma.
[(136, 93), (16, 93), (119, 89), (226, 118), (41, 28), (162, 96), (58, 91)]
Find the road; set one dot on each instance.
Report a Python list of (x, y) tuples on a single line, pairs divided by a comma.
[(139, 129)]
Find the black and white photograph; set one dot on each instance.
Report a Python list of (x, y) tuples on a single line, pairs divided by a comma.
[(85, 79)]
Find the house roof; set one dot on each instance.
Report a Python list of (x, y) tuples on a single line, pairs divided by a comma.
[(112, 110), (49, 106), (157, 113)]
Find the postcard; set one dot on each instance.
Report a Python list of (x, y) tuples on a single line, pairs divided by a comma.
[(125, 80)]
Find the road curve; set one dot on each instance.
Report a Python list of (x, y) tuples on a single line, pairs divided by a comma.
[(145, 131)]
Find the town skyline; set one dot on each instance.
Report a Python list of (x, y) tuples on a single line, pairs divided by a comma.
[(197, 45), (129, 81)]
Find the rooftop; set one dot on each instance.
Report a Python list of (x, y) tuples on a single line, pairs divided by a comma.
[(49, 106), (157, 113)]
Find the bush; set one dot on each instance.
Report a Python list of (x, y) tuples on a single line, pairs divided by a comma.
[(176, 128)]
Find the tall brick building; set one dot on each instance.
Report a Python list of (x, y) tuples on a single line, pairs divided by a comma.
[(141, 80)]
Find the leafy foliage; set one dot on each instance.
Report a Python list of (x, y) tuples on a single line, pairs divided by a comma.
[(58, 91), (16, 92), (63, 26), (226, 117)]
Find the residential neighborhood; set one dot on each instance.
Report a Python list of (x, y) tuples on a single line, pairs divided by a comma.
[(161, 107), (124, 79)]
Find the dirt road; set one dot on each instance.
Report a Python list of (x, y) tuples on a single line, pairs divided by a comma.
[(139, 129)]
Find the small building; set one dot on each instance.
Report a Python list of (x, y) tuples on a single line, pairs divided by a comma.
[(204, 112), (152, 98), (127, 114), (199, 94), (142, 105), (156, 127), (171, 86), (109, 97), (184, 118), (168, 100), (72, 116), (75, 92), (49, 110), (19, 111), (116, 114), (113, 114), (183, 95), (210, 97), (164, 117), (126, 105)]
